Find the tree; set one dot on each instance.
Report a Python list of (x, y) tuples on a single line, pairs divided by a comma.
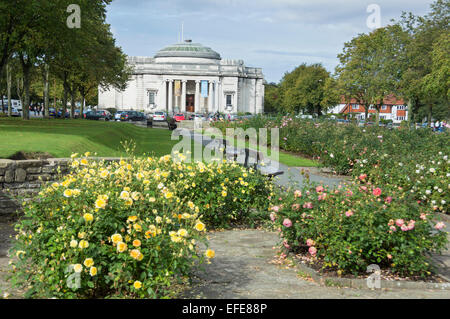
[(272, 99), (304, 89), (422, 56), (354, 77)]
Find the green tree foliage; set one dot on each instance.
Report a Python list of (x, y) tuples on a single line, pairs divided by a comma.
[(50, 54), (305, 90)]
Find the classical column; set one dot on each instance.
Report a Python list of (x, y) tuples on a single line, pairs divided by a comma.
[(183, 96), (162, 96), (197, 96), (210, 97), (216, 96), (170, 96)]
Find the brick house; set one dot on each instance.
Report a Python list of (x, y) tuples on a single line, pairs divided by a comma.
[(392, 109)]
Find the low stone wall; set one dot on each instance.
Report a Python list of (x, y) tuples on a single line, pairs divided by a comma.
[(21, 180)]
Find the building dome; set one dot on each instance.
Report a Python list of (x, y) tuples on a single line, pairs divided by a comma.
[(187, 49)]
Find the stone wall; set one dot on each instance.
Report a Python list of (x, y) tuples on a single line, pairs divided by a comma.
[(21, 180)]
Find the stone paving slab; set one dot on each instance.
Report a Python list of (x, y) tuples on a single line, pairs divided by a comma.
[(242, 269)]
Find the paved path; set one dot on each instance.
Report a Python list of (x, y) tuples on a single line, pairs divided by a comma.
[(242, 269), (291, 176)]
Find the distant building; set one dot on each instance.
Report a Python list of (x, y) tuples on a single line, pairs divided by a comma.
[(188, 77), (392, 109)]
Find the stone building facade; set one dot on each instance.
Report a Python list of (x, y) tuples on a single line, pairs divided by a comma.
[(190, 78)]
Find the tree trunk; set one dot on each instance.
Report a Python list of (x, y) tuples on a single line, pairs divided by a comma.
[(409, 112), (430, 113), (8, 87), (64, 102), (46, 91), (366, 114), (83, 99), (72, 102), (26, 92)]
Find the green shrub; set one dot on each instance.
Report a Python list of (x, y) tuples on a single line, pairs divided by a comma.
[(128, 228), (348, 229)]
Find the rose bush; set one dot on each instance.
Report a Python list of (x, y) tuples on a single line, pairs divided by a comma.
[(349, 228), (128, 228), (387, 157)]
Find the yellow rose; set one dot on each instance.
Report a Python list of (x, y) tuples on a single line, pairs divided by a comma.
[(199, 226), (152, 199), (73, 243), (88, 262), (135, 253), (77, 268), (104, 174), (137, 284), (129, 202), (100, 203), (84, 161), (68, 193), (136, 243), (116, 238), (88, 217), (83, 244), (210, 253), (137, 227), (93, 271), (121, 247), (182, 232), (124, 195), (132, 218)]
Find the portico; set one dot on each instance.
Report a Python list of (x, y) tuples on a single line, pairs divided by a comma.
[(188, 77)]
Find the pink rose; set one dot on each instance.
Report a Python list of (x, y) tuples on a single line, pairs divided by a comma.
[(362, 177), (377, 191), (273, 216), (310, 242), (308, 205), (388, 199), (439, 225), (399, 222), (393, 229), (275, 209), (404, 228), (285, 244), (348, 213), (287, 223), (312, 250), (297, 193), (295, 206), (319, 189), (389, 256)]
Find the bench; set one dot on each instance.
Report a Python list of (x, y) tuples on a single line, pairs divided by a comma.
[(258, 163)]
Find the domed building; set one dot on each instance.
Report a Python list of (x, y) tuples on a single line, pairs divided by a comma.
[(188, 77)]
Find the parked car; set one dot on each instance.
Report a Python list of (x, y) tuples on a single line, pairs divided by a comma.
[(179, 117), (117, 116), (60, 115), (197, 116), (106, 115), (92, 115), (15, 112), (160, 116), (132, 116), (52, 112)]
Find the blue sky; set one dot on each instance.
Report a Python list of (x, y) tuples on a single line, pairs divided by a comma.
[(276, 35)]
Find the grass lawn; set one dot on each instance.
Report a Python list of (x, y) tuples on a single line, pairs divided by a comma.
[(61, 138), (285, 158)]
